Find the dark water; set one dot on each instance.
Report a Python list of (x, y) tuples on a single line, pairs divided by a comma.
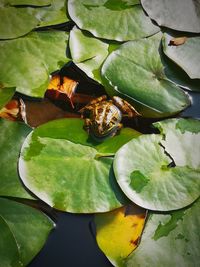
[(72, 243)]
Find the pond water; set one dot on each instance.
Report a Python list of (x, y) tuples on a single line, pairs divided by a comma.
[(72, 243)]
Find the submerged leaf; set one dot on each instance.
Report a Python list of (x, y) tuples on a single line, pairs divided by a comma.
[(119, 231), (170, 239), (29, 228), (114, 20), (62, 166)]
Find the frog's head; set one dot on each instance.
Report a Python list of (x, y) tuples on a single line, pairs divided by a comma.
[(103, 130)]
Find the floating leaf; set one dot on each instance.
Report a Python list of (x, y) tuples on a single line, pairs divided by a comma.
[(184, 136), (142, 169), (186, 55), (87, 52), (29, 2), (5, 95), (119, 231), (153, 95), (84, 182), (34, 61), (181, 15), (29, 229), (24, 18), (54, 14), (12, 135), (169, 240), (115, 20)]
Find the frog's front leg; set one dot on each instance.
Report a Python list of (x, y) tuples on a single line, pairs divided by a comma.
[(125, 107), (87, 124)]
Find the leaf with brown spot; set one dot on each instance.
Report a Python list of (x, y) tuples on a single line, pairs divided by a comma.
[(178, 41), (119, 231)]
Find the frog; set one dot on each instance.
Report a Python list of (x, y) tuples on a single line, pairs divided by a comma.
[(103, 117)]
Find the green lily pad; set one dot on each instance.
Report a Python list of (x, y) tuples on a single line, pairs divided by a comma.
[(109, 19), (54, 14), (177, 75), (62, 166), (28, 226), (142, 169), (181, 15), (186, 55), (169, 240), (184, 135), (87, 52), (5, 95), (29, 2), (33, 60), (12, 135), (24, 18), (135, 71), (9, 257)]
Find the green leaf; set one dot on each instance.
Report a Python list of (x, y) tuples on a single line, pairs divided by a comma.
[(12, 135), (181, 15), (54, 14), (114, 20), (169, 240), (185, 55), (24, 18), (8, 257), (184, 135), (135, 71), (142, 169), (29, 2), (29, 227), (5, 95), (33, 60), (87, 52), (62, 166), (118, 232)]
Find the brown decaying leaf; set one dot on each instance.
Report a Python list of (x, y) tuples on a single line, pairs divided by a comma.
[(12, 110), (178, 41)]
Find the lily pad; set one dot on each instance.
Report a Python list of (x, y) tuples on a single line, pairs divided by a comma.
[(29, 2), (186, 55), (54, 14), (29, 229), (177, 75), (184, 135), (119, 231), (62, 166), (142, 169), (87, 52), (5, 95), (34, 61), (114, 20), (135, 71), (169, 240), (24, 18), (180, 15), (12, 135)]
